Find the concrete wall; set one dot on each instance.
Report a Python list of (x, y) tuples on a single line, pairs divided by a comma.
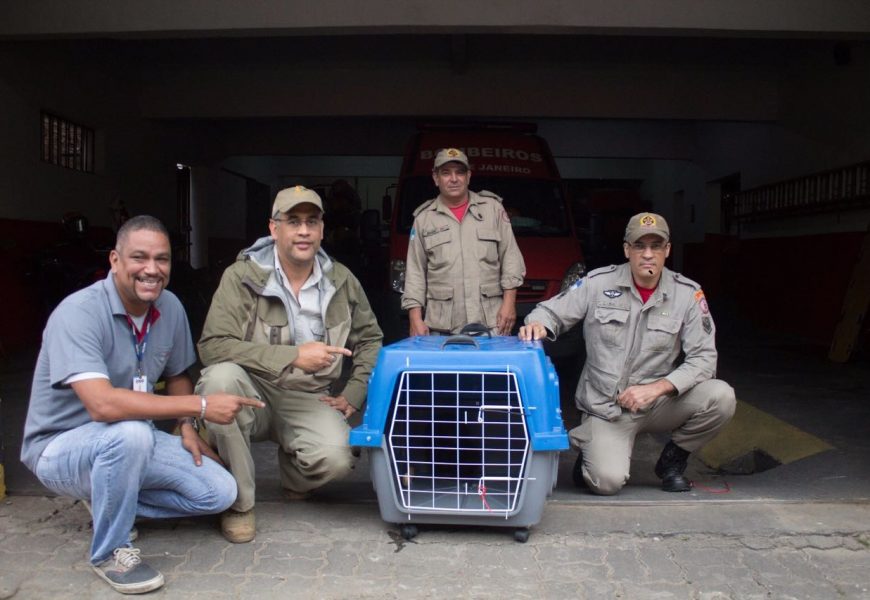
[(161, 18), (675, 112), (508, 76), (91, 87), (769, 102)]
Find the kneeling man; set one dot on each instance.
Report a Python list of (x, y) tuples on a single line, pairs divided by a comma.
[(280, 325), (88, 432), (650, 361)]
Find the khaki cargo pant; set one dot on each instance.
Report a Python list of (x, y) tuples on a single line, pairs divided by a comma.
[(312, 436), (693, 419)]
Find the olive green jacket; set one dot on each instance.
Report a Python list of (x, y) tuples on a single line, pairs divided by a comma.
[(248, 325)]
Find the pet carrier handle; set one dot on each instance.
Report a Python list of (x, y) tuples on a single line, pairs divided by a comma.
[(460, 340), (475, 329)]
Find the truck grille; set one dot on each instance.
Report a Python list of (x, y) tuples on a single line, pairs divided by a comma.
[(533, 291)]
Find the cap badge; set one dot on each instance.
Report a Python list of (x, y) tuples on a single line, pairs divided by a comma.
[(647, 221)]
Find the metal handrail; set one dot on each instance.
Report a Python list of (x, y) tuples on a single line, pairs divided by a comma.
[(827, 191)]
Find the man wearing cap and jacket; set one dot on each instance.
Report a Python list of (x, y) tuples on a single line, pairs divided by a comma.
[(463, 264), (280, 325), (650, 364)]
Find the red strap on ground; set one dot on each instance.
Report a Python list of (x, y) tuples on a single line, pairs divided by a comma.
[(726, 488)]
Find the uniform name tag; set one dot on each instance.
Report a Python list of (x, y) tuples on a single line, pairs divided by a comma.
[(140, 384)]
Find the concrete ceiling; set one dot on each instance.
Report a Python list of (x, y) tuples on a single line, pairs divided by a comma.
[(209, 18)]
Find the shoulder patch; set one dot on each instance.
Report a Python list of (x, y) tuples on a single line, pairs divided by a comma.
[(601, 271), (702, 303), (574, 286), (423, 206), (488, 194)]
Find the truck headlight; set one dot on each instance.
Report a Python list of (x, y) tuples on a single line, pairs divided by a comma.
[(397, 275), (575, 273)]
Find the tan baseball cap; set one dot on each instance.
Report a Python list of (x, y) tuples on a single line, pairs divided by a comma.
[(447, 155), (290, 197), (646, 223)]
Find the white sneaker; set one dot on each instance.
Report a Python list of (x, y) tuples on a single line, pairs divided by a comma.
[(134, 533), (126, 572)]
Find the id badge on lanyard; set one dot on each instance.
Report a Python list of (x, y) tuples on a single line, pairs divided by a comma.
[(140, 383), (140, 380)]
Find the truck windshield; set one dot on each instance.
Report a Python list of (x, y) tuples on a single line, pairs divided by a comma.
[(536, 206)]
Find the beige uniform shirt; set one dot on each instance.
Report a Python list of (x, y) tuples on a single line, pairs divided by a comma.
[(457, 272), (629, 342)]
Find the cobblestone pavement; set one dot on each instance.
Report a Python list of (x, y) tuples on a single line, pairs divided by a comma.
[(330, 550)]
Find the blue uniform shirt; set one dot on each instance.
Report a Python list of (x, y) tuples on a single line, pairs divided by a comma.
[(89, 332)]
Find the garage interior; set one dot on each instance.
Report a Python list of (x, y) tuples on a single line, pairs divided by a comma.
[(745, 125)]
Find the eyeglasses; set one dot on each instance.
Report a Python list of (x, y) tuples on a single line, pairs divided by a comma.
[(294, 223), (655, 246)]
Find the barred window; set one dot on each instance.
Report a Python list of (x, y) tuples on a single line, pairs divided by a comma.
[(67, 144)]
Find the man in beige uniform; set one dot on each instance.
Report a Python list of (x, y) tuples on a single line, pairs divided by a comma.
[(280, 325), (638, 318), (464, 265)]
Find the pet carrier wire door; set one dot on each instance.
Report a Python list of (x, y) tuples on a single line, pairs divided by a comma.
[(458, 441), (463, 431)]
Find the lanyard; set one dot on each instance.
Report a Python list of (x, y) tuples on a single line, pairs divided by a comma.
[(139, 347)]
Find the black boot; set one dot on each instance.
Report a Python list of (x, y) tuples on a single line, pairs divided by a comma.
[(670, 468), (577, 472)]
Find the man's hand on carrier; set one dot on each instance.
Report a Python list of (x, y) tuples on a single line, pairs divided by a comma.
[(340, 404), (506, 317), (532, 331), (416, 324), (638, 397), (315, 356)]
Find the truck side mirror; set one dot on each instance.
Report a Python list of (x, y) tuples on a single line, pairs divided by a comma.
[(370, 226), (387, 207)]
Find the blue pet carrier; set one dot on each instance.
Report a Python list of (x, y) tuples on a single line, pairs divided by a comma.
[(463, 430)]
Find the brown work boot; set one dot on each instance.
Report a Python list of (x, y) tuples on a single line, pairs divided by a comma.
[(238, 527)]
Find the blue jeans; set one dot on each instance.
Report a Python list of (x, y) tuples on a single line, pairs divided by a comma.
[(129, 469)]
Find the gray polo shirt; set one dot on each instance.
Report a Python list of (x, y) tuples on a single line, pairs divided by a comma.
[(89, 332)]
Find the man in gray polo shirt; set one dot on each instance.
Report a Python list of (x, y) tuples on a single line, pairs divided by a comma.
[(88, 432)]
